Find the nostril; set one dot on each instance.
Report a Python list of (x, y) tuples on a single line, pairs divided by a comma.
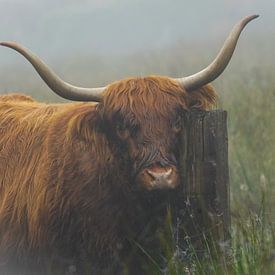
[(169, 172), (151, 174)]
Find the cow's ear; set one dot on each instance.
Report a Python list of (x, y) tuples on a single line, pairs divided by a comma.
[(203, 98)]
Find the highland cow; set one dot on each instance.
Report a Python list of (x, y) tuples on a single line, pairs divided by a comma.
[(75, 177)]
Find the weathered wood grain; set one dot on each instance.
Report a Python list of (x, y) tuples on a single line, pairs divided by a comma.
[(205, 211)]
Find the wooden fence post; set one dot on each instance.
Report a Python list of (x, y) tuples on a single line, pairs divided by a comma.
[(205, 215)]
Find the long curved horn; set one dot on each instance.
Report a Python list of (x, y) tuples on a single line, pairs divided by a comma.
[(55, 83), (212, 71)]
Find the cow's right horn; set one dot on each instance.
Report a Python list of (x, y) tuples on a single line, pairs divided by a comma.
[(55, 83), (212, 71)]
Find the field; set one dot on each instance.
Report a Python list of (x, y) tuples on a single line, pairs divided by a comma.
[(247, 92)]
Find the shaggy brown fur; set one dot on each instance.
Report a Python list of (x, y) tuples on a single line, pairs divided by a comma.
[(67, 186)]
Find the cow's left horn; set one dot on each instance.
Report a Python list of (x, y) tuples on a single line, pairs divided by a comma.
[(211, 72), (55, 83)]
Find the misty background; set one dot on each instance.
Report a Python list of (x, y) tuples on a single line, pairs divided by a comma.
[(93, 42)]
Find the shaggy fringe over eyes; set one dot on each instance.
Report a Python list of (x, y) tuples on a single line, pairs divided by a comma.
[(156, 91), (143, 94)]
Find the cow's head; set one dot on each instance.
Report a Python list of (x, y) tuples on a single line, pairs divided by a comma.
[(143, 114), (142, 117)]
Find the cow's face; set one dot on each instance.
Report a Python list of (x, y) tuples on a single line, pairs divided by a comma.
[(143, 119)]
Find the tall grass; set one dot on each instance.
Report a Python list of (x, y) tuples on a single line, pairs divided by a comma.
[(251, 250)]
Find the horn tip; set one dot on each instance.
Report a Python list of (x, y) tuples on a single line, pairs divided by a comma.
[(255, 16), (247, 19), (7, 44), (252, 17)]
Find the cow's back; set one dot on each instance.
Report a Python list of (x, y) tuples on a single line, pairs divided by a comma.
[(15, 97)]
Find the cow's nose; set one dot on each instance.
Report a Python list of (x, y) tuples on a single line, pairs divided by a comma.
[(161, 178)]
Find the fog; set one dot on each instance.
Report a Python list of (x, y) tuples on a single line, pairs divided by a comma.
[(119, 26), (70, 35)]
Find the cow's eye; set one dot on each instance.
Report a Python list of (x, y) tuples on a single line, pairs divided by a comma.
[(177, 125), (122, 131)]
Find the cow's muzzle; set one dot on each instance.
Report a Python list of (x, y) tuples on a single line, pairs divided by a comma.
[(156, 177)]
